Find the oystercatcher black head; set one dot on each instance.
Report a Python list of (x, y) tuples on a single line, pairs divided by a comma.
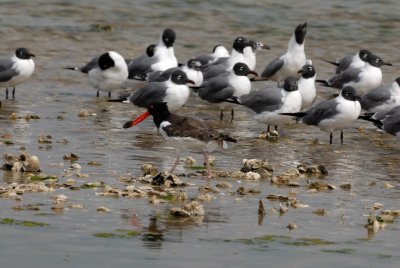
[(159, 111)]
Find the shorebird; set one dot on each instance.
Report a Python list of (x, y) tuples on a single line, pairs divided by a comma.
[(184, 133), (174, 92), (333, 114), (16, 69), (106, 72), (290, 62), (163, 57)]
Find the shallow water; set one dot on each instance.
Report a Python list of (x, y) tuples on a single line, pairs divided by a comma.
[(230, 234)]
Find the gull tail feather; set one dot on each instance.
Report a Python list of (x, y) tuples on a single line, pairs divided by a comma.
[(368, 117)]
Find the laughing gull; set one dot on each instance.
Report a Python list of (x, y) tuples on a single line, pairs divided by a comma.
[(184, 133), (106, 72), (16, 69), (223, 65), (110, 74), (225, 86), (289, 63), (363, 79), (191, 68), (357, 60), (333, 114), (163, 58), (174, 92), (219, 51), (382, 98), (268, 103), (250, 51), (142, 64), (307, 85), (388, 121)]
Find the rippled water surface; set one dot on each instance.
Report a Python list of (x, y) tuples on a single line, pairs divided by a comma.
[(65, 33)]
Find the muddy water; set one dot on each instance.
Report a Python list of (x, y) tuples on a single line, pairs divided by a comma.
[(230, 235)]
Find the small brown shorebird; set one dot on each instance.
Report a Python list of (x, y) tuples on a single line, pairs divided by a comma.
[(184, 132)]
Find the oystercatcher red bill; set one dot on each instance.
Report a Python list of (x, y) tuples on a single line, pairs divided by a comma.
[(136, 121)]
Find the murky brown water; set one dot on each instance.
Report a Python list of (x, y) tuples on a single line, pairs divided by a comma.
[(229, 235)]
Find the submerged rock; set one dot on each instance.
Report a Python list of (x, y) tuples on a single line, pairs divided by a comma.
[(22, 163), (43, 139), (272, 135), (283, 209), (148, 169), (71, 157), (251, 176), (167, 179), (83, 113), (394, 213), (243, 191), (297, 204), (103, 209), (277, 197), (312, 170), (208, 189), (345, 186), (223, 185), (191, 209), (253, 169), (261, 209), (291, 226), (237, 174), (255, 165), (388, 185), (205, 197), (190, 161), (321, 186), (320, 212), (211, 161)]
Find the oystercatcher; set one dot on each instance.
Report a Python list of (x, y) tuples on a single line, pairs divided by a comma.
[(184, 132)]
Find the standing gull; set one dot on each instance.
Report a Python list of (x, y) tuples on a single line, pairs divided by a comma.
[(219, 51), (307, 85), (250, 52), (363, 79), (184, 132), (16, 69), (192, 69), (174, 92), (268, 103), (382, 98), (388, 121), (289, 63), (163, 57), (226, 86), (106, 72), (110, 74), (334, 114), (225, 64), (357, 60)]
